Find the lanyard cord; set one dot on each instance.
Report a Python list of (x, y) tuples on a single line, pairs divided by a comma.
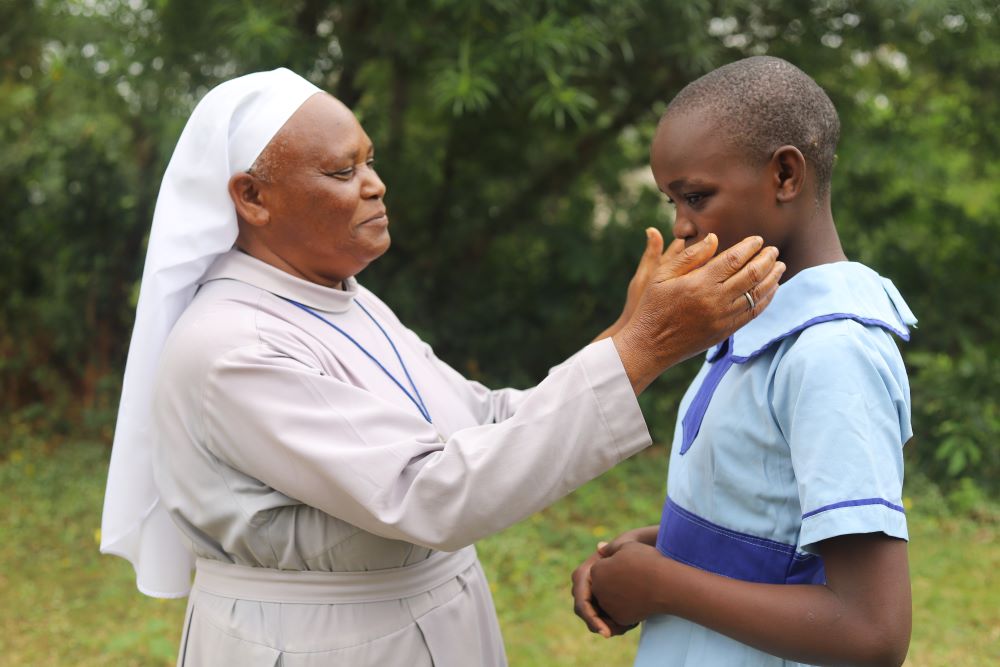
[(415, 397)]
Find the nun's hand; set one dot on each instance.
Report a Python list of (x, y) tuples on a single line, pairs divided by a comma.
[(693, 301), (652, 259)]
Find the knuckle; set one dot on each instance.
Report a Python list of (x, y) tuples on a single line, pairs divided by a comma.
[(733, 261), (688, 256)]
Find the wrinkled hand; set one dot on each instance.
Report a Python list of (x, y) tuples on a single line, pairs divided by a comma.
[(693, 301), (624, 583), (652, 258), (584, 604)]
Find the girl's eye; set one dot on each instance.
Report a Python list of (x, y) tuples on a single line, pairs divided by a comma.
[(694, 198), (370, 161)]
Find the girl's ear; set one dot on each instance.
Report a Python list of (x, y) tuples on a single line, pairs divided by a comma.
[(789, 168), (244, 190)]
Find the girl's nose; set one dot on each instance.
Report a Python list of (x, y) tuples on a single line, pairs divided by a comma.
[(683, 228)]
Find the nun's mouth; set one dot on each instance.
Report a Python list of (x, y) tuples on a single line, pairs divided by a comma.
[(378, 218)]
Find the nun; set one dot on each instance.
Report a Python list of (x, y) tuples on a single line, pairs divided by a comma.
[(286, 439)]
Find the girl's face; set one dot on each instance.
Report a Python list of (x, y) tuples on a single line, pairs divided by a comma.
[(712, 186)]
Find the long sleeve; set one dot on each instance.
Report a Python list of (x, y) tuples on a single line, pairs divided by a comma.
[(348, 452)]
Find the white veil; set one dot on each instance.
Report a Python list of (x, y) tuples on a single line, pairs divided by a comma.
[(194, 223)]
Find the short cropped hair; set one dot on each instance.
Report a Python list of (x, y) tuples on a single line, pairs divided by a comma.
[(763, 103)]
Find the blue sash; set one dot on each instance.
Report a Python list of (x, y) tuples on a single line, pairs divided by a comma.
[(690, 539)]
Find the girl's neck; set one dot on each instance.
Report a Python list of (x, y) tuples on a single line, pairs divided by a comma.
[(815, 242)]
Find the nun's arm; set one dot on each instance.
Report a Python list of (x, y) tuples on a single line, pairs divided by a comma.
[(384, 469)]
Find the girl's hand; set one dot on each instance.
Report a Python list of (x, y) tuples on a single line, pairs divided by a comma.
[(584, 604), (645, 535), (587, 608), (627, 582)]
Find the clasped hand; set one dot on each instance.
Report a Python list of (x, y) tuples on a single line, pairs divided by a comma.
[(613, 590)]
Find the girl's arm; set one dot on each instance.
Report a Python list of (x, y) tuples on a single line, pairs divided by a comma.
[(860, 617)]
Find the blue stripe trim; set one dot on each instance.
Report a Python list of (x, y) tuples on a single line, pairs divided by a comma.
[(903, 333), (691, 539), (691, 423), (724, 357), (854, 503)]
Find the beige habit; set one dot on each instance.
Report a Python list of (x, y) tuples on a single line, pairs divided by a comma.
[(333, 524)]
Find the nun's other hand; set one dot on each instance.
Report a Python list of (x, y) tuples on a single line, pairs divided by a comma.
[(652, 258), (693, 301)]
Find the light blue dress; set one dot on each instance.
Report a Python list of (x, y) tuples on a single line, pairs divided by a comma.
[(791, 433)]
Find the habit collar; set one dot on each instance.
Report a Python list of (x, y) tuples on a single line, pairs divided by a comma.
[(237, 265)]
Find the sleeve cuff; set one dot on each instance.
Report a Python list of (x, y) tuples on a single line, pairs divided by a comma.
[(616, 399), (874, 516)]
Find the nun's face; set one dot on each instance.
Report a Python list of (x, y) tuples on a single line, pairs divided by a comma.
[(325, 219)]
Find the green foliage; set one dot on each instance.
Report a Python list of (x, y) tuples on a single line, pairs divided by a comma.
[(513, 135)]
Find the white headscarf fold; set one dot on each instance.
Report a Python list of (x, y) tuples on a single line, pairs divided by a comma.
[(194, 222)]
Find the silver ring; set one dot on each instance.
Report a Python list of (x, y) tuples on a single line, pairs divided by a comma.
[(750, 300)]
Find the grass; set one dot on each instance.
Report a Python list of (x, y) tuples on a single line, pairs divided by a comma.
[(64, 604)]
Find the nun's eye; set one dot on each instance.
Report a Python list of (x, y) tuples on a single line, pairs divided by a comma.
[(342, 174)]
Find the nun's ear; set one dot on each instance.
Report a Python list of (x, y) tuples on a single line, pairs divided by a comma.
[(244, 190)]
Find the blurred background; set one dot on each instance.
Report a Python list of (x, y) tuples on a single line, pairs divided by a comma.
[(513, 138)]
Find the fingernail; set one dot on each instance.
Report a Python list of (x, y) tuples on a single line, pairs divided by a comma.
[(780, 266), (773, 251), (601, 545), (708, 238)]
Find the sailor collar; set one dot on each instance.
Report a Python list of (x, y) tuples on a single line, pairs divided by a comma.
[(837, 291)]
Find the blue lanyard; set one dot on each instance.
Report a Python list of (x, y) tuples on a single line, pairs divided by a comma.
[(415, 396)]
